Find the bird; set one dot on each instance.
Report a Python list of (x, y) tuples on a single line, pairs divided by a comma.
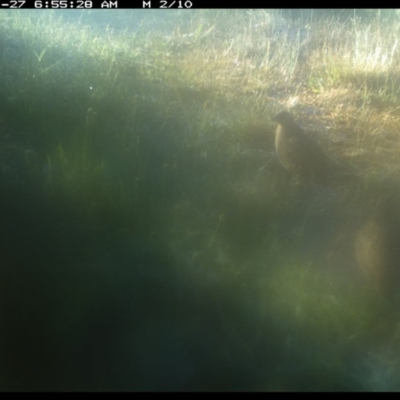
[(298, 153), (377, 249)]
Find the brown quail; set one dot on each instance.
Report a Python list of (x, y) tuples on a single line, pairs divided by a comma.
[(298, 153), (377, 250)]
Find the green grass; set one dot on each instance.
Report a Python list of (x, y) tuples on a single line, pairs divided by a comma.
[(163, 134)]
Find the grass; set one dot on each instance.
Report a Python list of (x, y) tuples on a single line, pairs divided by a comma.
[(138, 162)]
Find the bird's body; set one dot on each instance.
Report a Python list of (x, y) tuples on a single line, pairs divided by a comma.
[(377, 251), (298, 153)]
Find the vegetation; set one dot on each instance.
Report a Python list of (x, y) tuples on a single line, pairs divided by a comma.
[(150, 238)]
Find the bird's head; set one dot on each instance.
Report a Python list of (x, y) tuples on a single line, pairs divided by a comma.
[(283, 117)]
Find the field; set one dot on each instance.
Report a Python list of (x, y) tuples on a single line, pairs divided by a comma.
[(150, 239)]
